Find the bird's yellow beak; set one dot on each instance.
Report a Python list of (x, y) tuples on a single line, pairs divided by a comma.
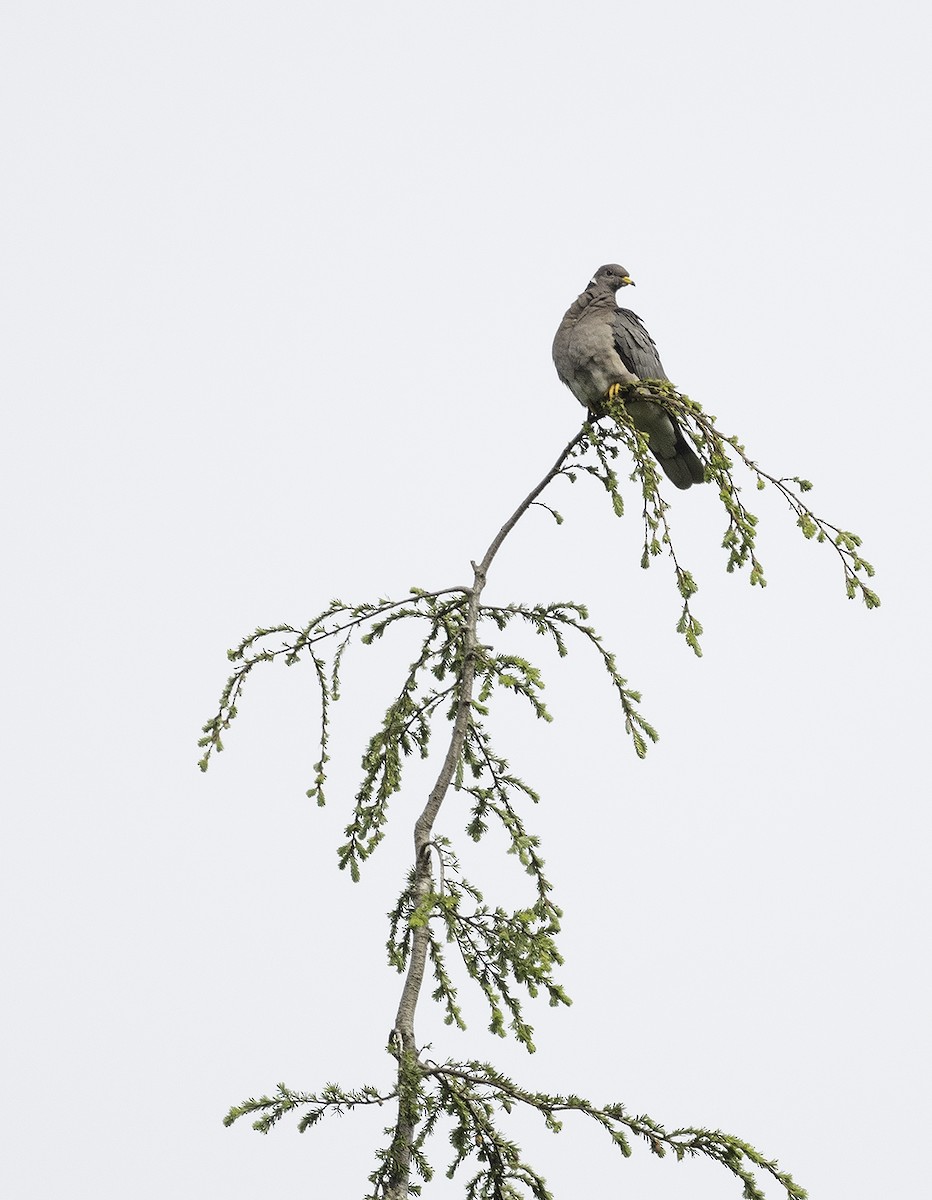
[(627, 280)]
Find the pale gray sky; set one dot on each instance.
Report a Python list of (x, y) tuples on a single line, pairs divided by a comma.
[(280, 283)]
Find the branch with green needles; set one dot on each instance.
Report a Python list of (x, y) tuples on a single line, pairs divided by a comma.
[(452, 679)]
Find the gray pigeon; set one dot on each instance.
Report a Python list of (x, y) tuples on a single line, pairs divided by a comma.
[(598, 345)]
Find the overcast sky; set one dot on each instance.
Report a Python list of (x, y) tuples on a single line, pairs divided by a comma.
[(279, 288)]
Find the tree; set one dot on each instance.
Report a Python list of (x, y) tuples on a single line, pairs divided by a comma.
[(439, 912)]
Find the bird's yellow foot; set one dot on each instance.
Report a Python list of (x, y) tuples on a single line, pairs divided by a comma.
[(614, 392)]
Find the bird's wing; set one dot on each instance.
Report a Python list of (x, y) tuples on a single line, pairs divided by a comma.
[(635, 346)]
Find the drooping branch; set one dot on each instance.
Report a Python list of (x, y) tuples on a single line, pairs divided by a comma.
[(477, 1092), (338, 618), (475, 1095), (740, 538)]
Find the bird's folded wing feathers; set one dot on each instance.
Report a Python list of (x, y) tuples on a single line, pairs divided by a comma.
[(635, 346)]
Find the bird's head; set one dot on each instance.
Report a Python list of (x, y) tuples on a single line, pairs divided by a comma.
[(611, 278)]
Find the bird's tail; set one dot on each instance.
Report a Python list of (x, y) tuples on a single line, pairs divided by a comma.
[(678, 460)]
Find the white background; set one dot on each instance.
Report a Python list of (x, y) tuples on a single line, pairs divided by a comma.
[(280, 283)]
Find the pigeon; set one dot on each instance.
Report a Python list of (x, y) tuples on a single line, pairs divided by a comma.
[(600, 348)]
